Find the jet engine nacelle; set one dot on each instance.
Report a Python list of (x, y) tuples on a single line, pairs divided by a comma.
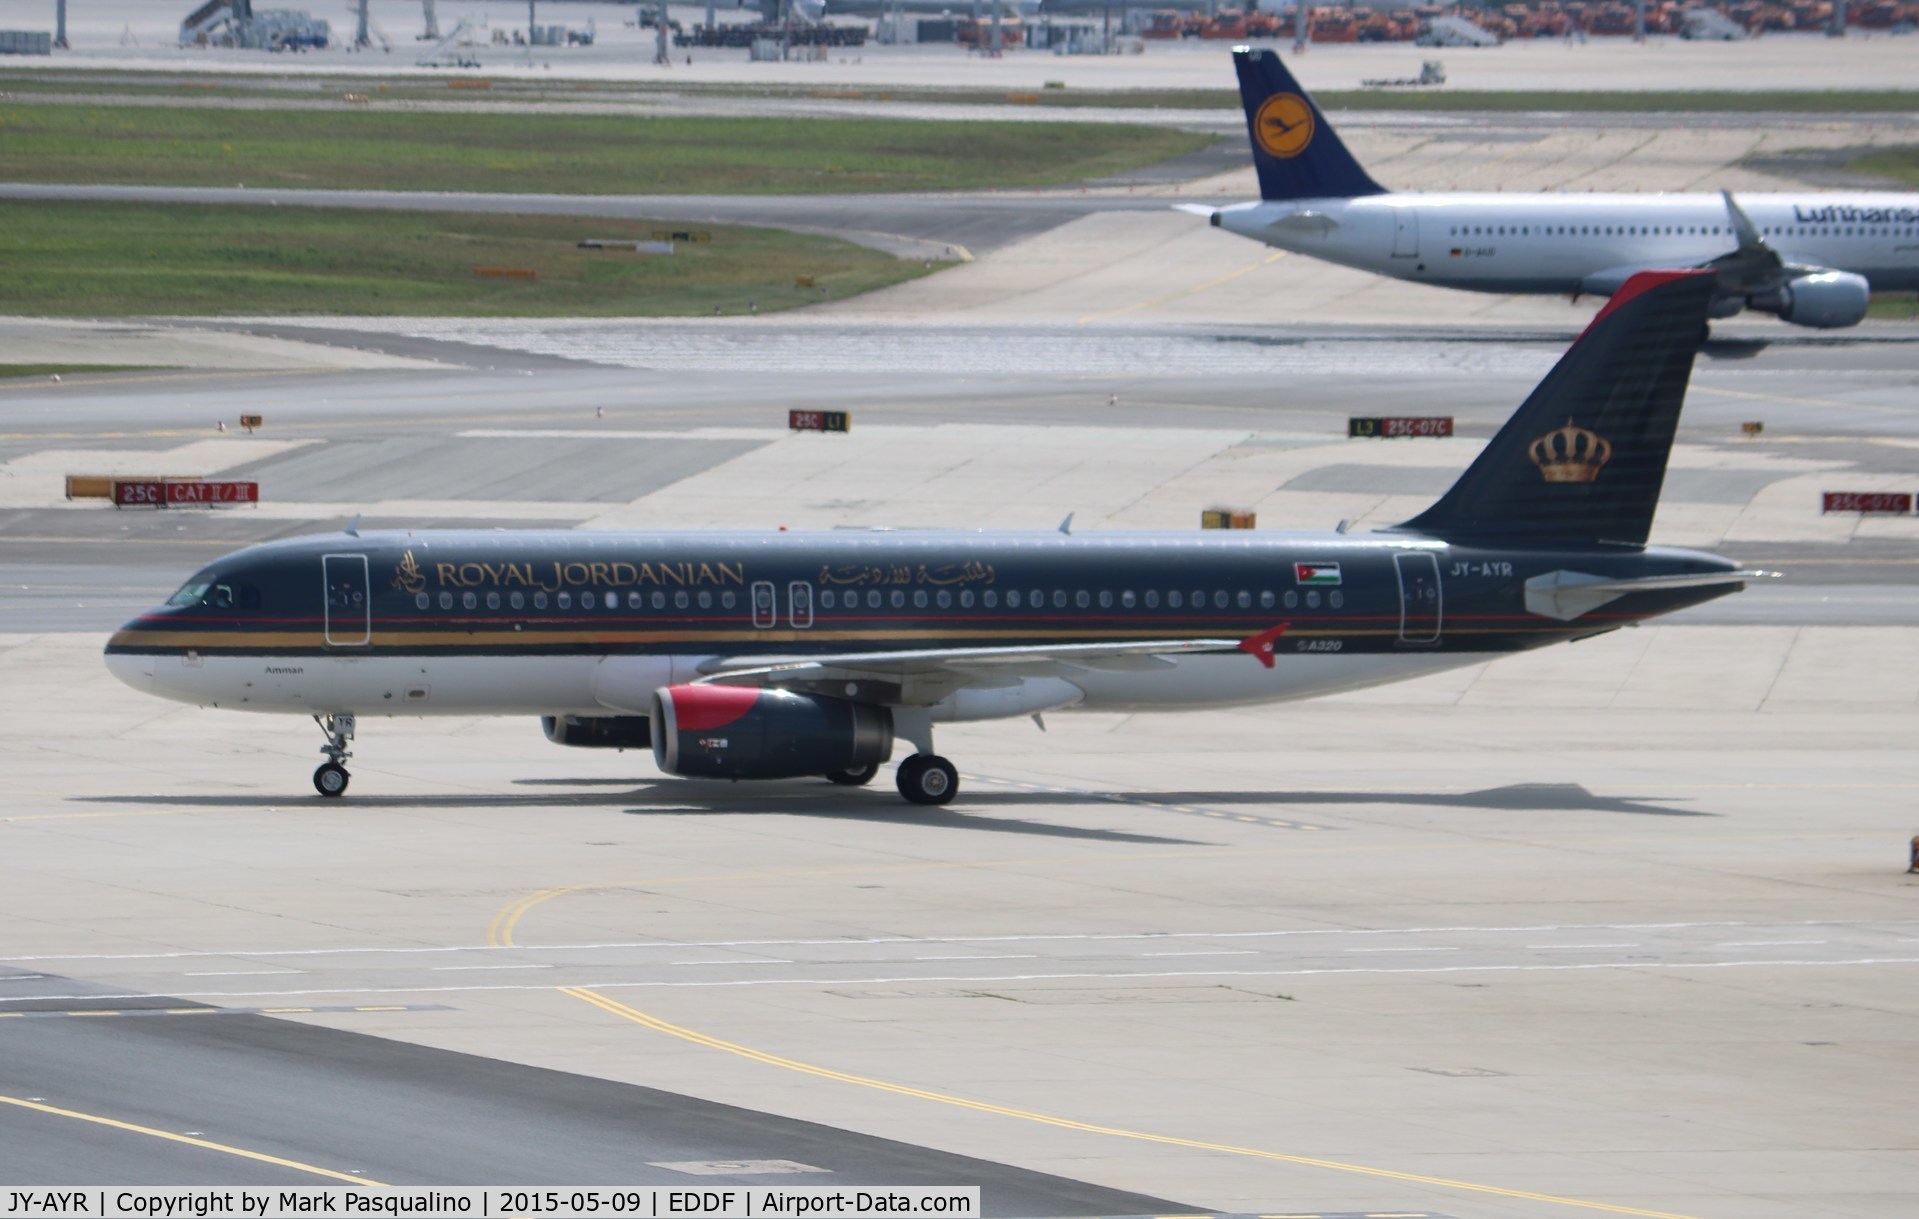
[(598, 731), (1827, 301), (739, 732)]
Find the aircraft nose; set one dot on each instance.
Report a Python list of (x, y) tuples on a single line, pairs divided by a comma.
[(132, 668)]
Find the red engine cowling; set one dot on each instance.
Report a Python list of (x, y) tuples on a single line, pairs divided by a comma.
[(739, 732)]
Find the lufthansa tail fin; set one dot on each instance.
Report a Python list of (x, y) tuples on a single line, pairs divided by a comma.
[(1294, 148), (1583, 460)]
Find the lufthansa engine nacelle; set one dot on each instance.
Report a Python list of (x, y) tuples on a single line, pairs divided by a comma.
[(739, 732), (598, 731), (1826, 301)]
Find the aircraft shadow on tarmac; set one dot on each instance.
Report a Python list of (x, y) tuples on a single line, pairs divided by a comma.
[(684, 798), (681, 800), (1516, 797), (895, 813)]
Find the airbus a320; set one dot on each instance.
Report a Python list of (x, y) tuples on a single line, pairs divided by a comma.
[(1811, 258), (782, 655)]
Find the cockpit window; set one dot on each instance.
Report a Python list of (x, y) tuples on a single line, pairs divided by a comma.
[(189, 594), (216, 594)]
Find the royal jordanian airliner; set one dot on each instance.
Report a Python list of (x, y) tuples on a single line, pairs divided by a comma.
[(782, 655), (1812, 259)]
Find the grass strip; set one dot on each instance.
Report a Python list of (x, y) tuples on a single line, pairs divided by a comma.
[(117, 259), (560, 153), (61, 370), (1901, 163)]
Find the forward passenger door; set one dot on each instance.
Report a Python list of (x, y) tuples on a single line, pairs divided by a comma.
[(348, 600)]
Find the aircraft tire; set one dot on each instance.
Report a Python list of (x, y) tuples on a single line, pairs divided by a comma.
[(330, 780), (927, 778), (857, 777)]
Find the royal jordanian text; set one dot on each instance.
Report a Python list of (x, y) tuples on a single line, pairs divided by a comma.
[(652, 1202)]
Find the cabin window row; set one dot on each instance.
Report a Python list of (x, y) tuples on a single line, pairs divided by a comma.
[(851, 601), (1059, 598), (585, 599), (1670, 230)]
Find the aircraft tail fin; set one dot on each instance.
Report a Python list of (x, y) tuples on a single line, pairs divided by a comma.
[(1583, 460), (1295, 150)]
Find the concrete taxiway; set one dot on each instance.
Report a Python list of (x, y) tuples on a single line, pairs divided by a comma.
[(1621, 928), (1623, 924)]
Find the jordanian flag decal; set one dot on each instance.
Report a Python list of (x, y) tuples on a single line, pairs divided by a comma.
[(1316, 573)]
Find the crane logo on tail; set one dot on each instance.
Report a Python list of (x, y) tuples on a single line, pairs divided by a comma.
[(1283, 125)]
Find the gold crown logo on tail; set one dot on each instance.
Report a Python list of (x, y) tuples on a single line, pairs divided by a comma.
[(1570, 454)]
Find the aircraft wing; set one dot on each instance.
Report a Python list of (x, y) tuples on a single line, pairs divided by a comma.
[(925, 675), (1748, 269), (1752, 266)]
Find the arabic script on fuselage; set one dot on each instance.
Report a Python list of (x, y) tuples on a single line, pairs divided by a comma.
[(943, 575)]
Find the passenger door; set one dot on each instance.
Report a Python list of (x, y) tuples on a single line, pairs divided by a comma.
[(349, 600), (1405, 232), (1419, 597)]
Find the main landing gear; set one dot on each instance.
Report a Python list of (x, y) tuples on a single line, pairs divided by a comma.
[(927, 778), (857, 777), (331, 779), (924, 777)]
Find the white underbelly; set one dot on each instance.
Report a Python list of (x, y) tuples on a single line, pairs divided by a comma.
[(569, 685), (1195, 682), (370, 685)]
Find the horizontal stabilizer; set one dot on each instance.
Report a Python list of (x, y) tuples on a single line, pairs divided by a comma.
[(1566, 595), (1303, 224)]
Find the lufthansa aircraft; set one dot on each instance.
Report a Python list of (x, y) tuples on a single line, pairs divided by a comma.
[(1812, 259), (780, 655)]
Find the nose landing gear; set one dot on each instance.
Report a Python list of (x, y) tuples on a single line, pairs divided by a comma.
[(330, 779)]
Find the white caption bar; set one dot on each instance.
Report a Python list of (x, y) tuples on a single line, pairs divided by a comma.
[(600, 1202)]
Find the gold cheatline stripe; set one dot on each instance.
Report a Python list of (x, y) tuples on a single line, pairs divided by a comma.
[(673, 1030), (203, 641), (190, 1141)]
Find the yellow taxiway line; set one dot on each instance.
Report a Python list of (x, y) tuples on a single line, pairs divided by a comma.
[(189, 1140), (701, 1039)]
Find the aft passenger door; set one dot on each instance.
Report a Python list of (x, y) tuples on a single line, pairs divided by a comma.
[(1405, 232), (1419, 597), (349, 600)]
